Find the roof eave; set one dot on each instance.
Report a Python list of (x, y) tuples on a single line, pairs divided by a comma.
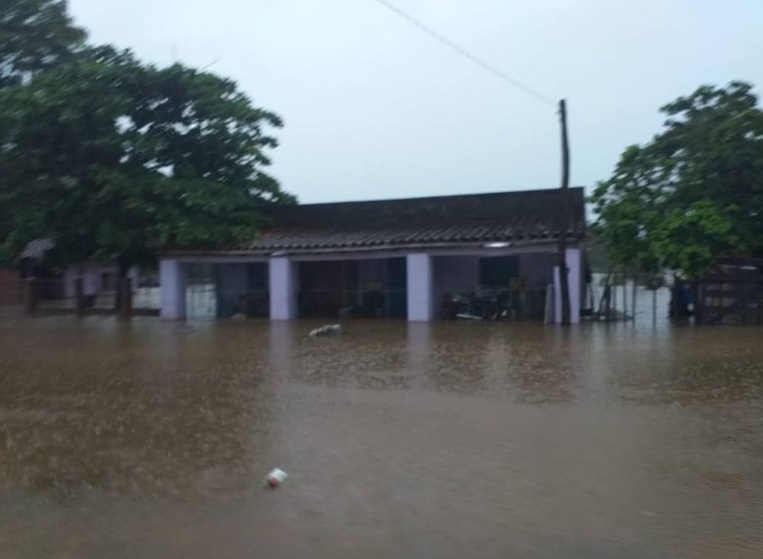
[(289, 251)]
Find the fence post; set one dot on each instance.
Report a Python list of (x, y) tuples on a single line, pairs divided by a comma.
[(79, 297), (699, 302), (30, 295), (125, 298)]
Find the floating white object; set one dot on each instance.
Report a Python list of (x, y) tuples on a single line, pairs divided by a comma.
[(276, 477), (327, 330), (468, 316)]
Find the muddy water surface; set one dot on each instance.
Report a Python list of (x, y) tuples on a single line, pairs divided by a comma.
[(456, 440)]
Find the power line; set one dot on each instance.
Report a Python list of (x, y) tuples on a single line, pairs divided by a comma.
[(466, 54)]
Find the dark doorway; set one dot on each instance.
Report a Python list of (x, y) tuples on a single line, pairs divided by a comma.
[(397, 278)]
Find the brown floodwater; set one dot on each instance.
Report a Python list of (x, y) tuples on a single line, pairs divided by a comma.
[(450, 440)]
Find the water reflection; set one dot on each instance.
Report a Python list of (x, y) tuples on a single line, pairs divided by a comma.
[(150, 439)]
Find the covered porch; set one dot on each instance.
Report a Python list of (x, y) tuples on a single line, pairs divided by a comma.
[(419, 286), (360, 288), (214, 288)]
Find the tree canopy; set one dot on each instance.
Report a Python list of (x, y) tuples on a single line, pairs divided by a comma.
[(692, 194), (35, 35), (115, 159)]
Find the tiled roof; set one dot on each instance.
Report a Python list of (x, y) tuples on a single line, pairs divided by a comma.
[(306, 239), (515, 217)]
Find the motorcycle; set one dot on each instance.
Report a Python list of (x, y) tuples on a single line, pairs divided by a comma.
[(494, 305)]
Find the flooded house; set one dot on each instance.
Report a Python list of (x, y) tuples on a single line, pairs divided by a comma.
[(402, 258)]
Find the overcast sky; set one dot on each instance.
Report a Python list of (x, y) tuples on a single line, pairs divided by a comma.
[(375, 108)]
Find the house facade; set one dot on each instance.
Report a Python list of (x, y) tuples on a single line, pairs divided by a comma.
[(389, 258)]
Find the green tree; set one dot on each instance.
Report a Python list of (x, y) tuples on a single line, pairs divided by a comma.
[(115, 160), (34, 35), (695, 192)]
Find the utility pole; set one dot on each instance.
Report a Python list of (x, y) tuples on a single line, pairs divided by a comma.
[(565, 221)]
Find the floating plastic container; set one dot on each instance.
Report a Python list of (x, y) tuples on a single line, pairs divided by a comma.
[(275, 478)]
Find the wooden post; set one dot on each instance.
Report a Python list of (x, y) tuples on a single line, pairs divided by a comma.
[(79, 297), (699, 303), (565, 221), (125, 298), (30, 295)]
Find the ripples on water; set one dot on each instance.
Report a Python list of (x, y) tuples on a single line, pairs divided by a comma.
[(150, 440)]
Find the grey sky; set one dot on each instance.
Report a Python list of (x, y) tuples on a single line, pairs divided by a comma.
[(375, 108)]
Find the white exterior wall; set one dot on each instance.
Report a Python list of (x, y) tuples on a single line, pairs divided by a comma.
[(575, 275), (172, 278), (283, 288), (70, 277), (420, 287), (91, 278)]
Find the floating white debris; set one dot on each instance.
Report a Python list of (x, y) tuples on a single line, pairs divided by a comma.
[(327, 330), (276, 477)]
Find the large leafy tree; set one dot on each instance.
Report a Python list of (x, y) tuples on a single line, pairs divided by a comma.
[(35, 35), (695, 192), (114, 160)]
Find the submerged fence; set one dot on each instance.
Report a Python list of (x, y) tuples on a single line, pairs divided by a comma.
[(206, 300), (627, 296), (497, 304), (57, 296)]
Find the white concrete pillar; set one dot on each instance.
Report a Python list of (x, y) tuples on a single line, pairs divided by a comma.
[(283, 288), (172, 283), (420, 287), (575, 279), (419, 348)]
